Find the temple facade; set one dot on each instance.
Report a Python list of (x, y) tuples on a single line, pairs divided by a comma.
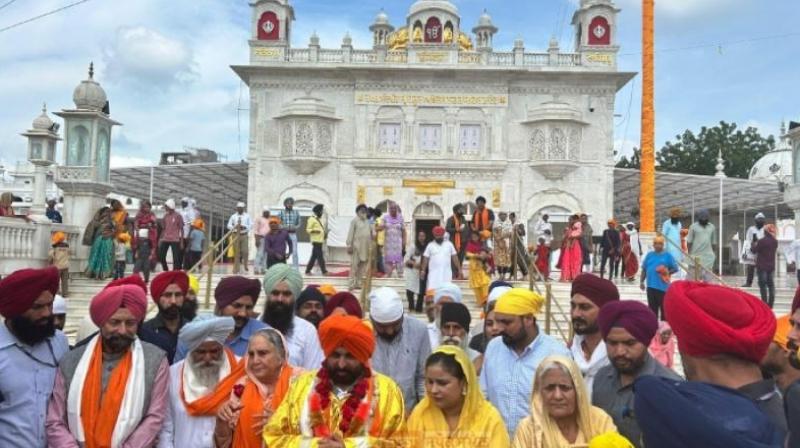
[(433, 115)]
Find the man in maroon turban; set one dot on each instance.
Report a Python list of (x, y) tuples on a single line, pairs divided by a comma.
[(236, 296), (589, 293), (723, 334), (627, 327), (127, 409), (343, 303), (30, 349), (168, 290)]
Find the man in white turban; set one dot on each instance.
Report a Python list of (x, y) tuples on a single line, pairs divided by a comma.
[(200, 383), (446, 293), (401, 345)]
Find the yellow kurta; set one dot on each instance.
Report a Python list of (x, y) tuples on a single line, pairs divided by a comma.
[(478, 278), (425, 430), (530, 433), (290, 426), (479, 425)]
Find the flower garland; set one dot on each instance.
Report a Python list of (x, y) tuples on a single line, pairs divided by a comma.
[(355, 410)]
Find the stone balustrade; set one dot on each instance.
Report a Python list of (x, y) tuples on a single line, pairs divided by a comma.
[(477, 58), (26, 244)]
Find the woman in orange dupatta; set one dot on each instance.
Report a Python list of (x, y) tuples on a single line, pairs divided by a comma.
[(120, 217), (255, 397)]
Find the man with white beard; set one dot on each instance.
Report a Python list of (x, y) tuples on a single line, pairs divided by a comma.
[(447, 293), (200, 383), (454, 321)]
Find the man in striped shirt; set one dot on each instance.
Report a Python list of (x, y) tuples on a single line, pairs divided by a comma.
[(290, 221)]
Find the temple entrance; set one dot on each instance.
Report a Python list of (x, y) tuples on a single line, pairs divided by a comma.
[(427, 216)]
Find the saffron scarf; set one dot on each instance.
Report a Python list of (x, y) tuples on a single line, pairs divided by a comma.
[(209, 404), (457, 236), (108, 422), (481, 220), (255, 399)]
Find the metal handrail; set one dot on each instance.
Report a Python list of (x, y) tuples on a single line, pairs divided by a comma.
[(366, 287), (696, 267), (534, 272), (208, 252)]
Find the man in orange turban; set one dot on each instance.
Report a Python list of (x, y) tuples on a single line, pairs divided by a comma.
[(317, 409)]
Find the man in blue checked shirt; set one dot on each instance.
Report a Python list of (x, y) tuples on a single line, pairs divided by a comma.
[(290, 221), (510, 361)]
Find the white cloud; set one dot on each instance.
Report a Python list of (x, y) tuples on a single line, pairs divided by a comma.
[(128, 161), (143, 56)]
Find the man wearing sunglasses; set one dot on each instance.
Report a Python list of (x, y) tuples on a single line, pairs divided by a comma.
[(283, 285)]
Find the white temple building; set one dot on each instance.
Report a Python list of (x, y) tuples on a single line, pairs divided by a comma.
[(433, 115)]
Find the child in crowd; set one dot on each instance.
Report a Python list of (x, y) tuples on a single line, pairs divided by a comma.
[(477, 255), (59, 257), (197, 238), (542, 257), (121, 247)]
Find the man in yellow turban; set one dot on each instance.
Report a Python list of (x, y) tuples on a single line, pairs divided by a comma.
[(344, 403), (511, 360)]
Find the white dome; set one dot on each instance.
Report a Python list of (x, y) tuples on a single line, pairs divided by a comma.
[(774, 165), (89, 94), (382, 18), (485, 19), (422, 5), (43, 122)]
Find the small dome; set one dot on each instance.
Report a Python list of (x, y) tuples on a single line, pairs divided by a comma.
[(89, 94), (382, 18), (43, 122), (423, 5), (773, 166), (485, 19)]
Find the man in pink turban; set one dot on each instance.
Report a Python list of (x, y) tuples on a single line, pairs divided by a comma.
[(30, 349), (127, 409), (723, 334)]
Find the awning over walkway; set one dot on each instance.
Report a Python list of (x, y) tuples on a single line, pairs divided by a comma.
[(694, 192)]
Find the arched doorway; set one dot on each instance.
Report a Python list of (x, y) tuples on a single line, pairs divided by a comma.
[(426, 216)]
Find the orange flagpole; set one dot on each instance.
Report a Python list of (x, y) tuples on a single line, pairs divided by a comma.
[(647, 193)]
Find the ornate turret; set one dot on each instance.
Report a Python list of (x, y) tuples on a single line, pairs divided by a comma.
[(484, 31), (381, 29), (89, 95)]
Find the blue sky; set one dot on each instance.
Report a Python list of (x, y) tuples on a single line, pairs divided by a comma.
[(165, 64)]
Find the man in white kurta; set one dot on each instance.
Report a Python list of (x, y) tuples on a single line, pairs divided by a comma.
[(747, 258), (208, 363), (438, 260), (544, 229)]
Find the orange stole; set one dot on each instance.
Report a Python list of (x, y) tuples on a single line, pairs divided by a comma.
[(481, 222), (245, 436), (457, 236), (209, 405), (98, 426)]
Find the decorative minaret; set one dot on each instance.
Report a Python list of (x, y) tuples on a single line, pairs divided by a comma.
[(84, 176), (595, 25), (42, 139), (271, 35), (484, 32), (381, 29)]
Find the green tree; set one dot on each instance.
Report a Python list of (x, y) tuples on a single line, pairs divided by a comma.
[(633, 162), (697, 154)]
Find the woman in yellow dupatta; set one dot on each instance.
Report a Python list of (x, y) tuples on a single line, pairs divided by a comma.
[(258, 394), (454, 412), (562, 416)]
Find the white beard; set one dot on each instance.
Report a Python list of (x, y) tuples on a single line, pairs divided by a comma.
[(206, 376)]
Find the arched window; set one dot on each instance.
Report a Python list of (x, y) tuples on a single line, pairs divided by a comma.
[(433, 30), (269, 26)]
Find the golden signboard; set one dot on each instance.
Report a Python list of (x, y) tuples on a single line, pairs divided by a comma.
[(600, 58), (267, 52), (496, 198), (425, 183), (432, 56), (469, 191), (403, 99), (361, 194), (388, 191), (428, 191)]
